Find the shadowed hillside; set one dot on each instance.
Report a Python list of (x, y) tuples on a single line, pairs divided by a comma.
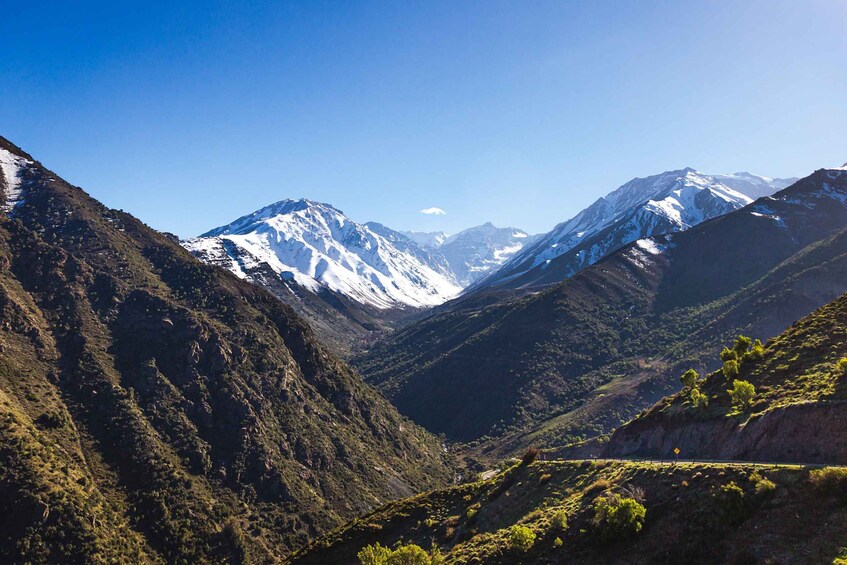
[(585, 356), (155, 409)]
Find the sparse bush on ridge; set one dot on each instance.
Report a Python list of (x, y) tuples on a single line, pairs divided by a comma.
[(521, 538), (742, 394), (408, 554), (831, 481), (616, 517)]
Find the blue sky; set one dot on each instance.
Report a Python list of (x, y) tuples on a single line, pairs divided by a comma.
[(520, 113)]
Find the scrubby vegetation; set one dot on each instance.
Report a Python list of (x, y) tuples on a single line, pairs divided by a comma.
[(617, 517), (614, 512), (742, 394)]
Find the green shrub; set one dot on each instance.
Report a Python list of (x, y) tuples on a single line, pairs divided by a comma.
[(559, 521), (728, 355), (765, 486), (730, 369), (842, 365), (755, 354), (374, 555), (521, 538), (698, 399), (831, 481), (733, 503), (617, 517), (558, 542), (742, 393), (409, 554), (689, 378), (741, 346)]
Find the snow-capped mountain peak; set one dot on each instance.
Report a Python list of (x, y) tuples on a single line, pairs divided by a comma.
[(667, 202), (475, 251), (316, 245)]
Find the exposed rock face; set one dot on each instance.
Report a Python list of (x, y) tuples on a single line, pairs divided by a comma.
[(801, 433)]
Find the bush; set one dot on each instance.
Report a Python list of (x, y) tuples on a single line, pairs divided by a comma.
[(374, 555), (521, 538), (732, 503), (842, 365), (559, 522), (689, 378), (756, 352), (558, 542), (765, 486), (742, 393), (741, 346), (831, 481), (617, 517), (730, 369), (728, 355), (409, 554), (698, 399)]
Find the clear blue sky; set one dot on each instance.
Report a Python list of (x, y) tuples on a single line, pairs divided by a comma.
[(520, 113)]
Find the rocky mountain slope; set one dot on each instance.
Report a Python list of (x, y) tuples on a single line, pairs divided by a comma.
[(668, 202), (586, 355), (156, 409)]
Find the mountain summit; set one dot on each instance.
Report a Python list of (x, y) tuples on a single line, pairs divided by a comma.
[(667, 202), (317, 246)]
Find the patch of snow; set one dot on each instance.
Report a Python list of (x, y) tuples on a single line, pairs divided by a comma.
[(650, 246), (10, 167)]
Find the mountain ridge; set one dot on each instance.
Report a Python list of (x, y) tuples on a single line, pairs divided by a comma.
[(155, 408)]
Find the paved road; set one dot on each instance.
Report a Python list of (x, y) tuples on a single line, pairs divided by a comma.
[(670, 462)]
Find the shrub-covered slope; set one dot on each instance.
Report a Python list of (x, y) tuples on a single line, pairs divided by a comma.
[(613, 512), (585, 356), (155, 409), (797, 412)]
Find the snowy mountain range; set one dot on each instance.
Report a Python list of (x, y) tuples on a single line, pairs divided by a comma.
[(668, 202), (316, 245), (474, 252)]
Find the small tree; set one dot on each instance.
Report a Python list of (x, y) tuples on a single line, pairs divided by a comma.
[(689, 378), (756, 352), (698, 399), (730, 369), (521, 537), (374, 554), (410, 554), (728, 355), (616, 517), (741, 346), (559, 521), (742, 393), (842, 365)]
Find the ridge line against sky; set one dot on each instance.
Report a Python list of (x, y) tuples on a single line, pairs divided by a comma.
[(519, 114)]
